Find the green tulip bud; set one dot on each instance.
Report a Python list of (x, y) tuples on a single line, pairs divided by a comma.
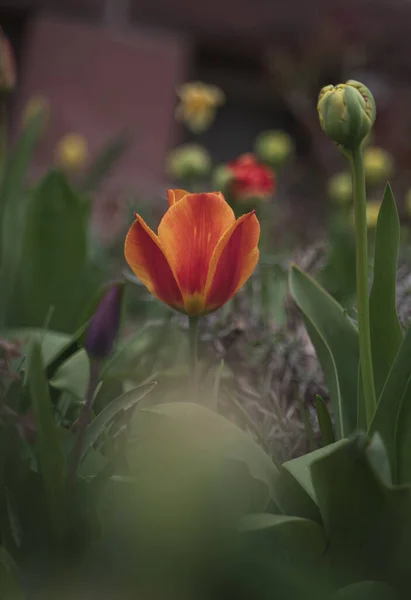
[(340, 188), (274, 147), (347, 113), (222, 177), (188, 161), (378, 165)]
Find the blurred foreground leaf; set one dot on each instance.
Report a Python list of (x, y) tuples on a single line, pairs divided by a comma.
[(9, 583)]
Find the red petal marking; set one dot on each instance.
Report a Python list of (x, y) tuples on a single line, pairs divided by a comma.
[(189, 233), (234, 260), (174, 196), (146, 258)]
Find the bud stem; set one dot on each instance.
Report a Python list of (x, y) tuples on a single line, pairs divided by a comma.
[(357, 166), (193, 323)]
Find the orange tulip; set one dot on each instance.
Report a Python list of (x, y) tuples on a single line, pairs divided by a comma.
[(201, 256)]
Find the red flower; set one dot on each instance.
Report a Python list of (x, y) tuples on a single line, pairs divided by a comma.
[(201, 256), (251, 179)]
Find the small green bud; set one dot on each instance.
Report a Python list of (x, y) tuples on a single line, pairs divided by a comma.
[(347, 113), (274, 147), (340, 188), (378, 165), (222, 177), (188, 161)]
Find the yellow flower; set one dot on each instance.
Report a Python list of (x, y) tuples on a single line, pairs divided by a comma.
[(188, 160), (373, 209), (198, 104), (274, 147), (35, 106), (340, 188), (72, 151), (378, 165)]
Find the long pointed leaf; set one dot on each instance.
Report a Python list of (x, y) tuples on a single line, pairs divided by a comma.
[(388, 409), (54, 269), (123, 402), (324, 421), (386, 333), (336, 342), (13, 201), (49, 452)]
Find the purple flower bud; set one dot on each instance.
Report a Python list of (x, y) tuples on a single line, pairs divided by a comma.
[(105, 323)]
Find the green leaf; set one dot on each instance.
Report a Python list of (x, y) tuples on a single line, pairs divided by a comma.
[(402, 455), (54, 270), (385, 328), (292, 499), (123, 402), (13, 206), (378, 459), (49, 453), (324, 421), (93, 462), (9, 579), (389, 406), (53, 343), (215, 435), (368, 522), (336, 342), (73, 375), (346, 490), (300, 468), (290, 534)]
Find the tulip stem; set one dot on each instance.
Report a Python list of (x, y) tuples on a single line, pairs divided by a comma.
[(367, 374), (193, 323)]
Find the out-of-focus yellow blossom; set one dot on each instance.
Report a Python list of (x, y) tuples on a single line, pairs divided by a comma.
[(198, 104), (373, 210), (36, 105), (188, 161), (340, 188), (72, 151), (378, 165), (274, 147)]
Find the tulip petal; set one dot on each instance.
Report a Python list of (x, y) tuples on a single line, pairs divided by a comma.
[(233, 261), (146, 258), (189, 233), (174, 196)]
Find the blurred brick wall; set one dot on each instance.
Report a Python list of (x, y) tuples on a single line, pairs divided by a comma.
[(100, 81)]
